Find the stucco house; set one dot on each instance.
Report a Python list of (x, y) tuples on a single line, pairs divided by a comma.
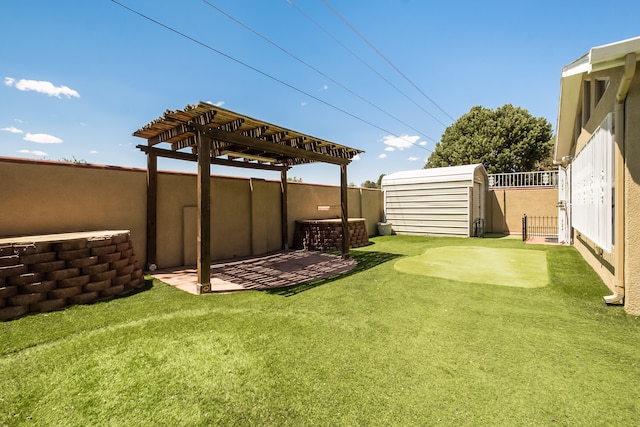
[(598, 146)]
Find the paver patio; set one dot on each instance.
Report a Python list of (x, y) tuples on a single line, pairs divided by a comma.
[(259, 273)]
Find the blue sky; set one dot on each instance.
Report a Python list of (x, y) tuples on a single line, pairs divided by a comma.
[(78, 77)]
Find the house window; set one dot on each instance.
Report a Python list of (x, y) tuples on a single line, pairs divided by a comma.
[(601, 86), (592, 187), (586, 102)]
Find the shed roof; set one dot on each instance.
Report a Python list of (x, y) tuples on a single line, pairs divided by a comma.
[(238, 140), (450, 173), (597, 59)]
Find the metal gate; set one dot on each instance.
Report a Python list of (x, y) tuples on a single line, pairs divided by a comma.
[(545, 227)]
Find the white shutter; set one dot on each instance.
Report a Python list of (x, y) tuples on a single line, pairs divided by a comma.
[(591, 192)]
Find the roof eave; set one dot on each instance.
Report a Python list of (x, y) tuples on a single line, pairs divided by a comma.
[(597, 59)]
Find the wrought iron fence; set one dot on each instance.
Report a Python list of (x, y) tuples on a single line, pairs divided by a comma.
[(524, 179), (539, 226)]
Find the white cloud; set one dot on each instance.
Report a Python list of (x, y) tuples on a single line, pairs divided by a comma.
[(42, 86), (382, 156), (217, 104), (325, 87), (12, 129), (303, 104), (42, 138), (401, 142), (422, 143), (389, 149), (414, 159), (34, 152), (93, 152), (356, 157)]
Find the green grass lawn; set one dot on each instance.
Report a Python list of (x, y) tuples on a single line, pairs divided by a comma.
[(375, 347)]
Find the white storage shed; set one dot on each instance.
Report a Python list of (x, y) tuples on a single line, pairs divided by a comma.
[(437, 202)]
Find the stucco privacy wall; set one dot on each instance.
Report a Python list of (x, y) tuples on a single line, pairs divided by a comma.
[(507, 206), (40, 197), (44, 197)]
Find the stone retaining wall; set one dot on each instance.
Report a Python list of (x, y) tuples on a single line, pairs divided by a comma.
[(78, 268), (326, 235)]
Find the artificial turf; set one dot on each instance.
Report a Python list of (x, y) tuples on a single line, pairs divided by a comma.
[(373, 347), (476, 264)]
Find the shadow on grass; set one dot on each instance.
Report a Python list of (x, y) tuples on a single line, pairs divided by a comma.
[(365, 261), (147, 284)]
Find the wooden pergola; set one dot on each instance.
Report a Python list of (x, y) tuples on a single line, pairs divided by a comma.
[(207, 134)]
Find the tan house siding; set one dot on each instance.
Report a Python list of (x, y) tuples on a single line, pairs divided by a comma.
[(601, 263), (632, 197), (613, 63)]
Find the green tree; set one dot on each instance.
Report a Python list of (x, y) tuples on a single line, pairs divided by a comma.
[(507, 139), (74, 160), (369, 184)]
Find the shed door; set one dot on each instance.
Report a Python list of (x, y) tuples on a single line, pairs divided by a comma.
[(477, 201)]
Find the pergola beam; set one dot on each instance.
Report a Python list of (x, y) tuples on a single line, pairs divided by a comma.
[(178, 155), (268, 147)]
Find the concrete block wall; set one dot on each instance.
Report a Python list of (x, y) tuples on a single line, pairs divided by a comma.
[(49, 275), (326, 235)]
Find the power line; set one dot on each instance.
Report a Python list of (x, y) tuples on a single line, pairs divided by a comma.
[(348, 24), (364, 62), (248, 28), (244, 64)]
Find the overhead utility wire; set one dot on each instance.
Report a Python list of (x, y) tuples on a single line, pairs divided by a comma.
[(248, 28), (348, 24), (364, 62), (244, 64)]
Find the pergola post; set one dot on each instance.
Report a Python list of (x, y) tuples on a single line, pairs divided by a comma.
[(284, 209), (152, 209), (344, 211), (203, 259)]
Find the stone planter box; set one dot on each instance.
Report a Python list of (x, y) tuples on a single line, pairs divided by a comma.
[(326, 234), (50, 272)]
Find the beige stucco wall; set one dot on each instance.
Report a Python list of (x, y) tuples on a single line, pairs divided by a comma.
[(604, 264), (40, 197), (372, 209), (632, 197), (308, 201), (507, 206)]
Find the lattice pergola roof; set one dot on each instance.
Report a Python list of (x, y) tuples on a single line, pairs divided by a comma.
[(237, 140), (231, 139)]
